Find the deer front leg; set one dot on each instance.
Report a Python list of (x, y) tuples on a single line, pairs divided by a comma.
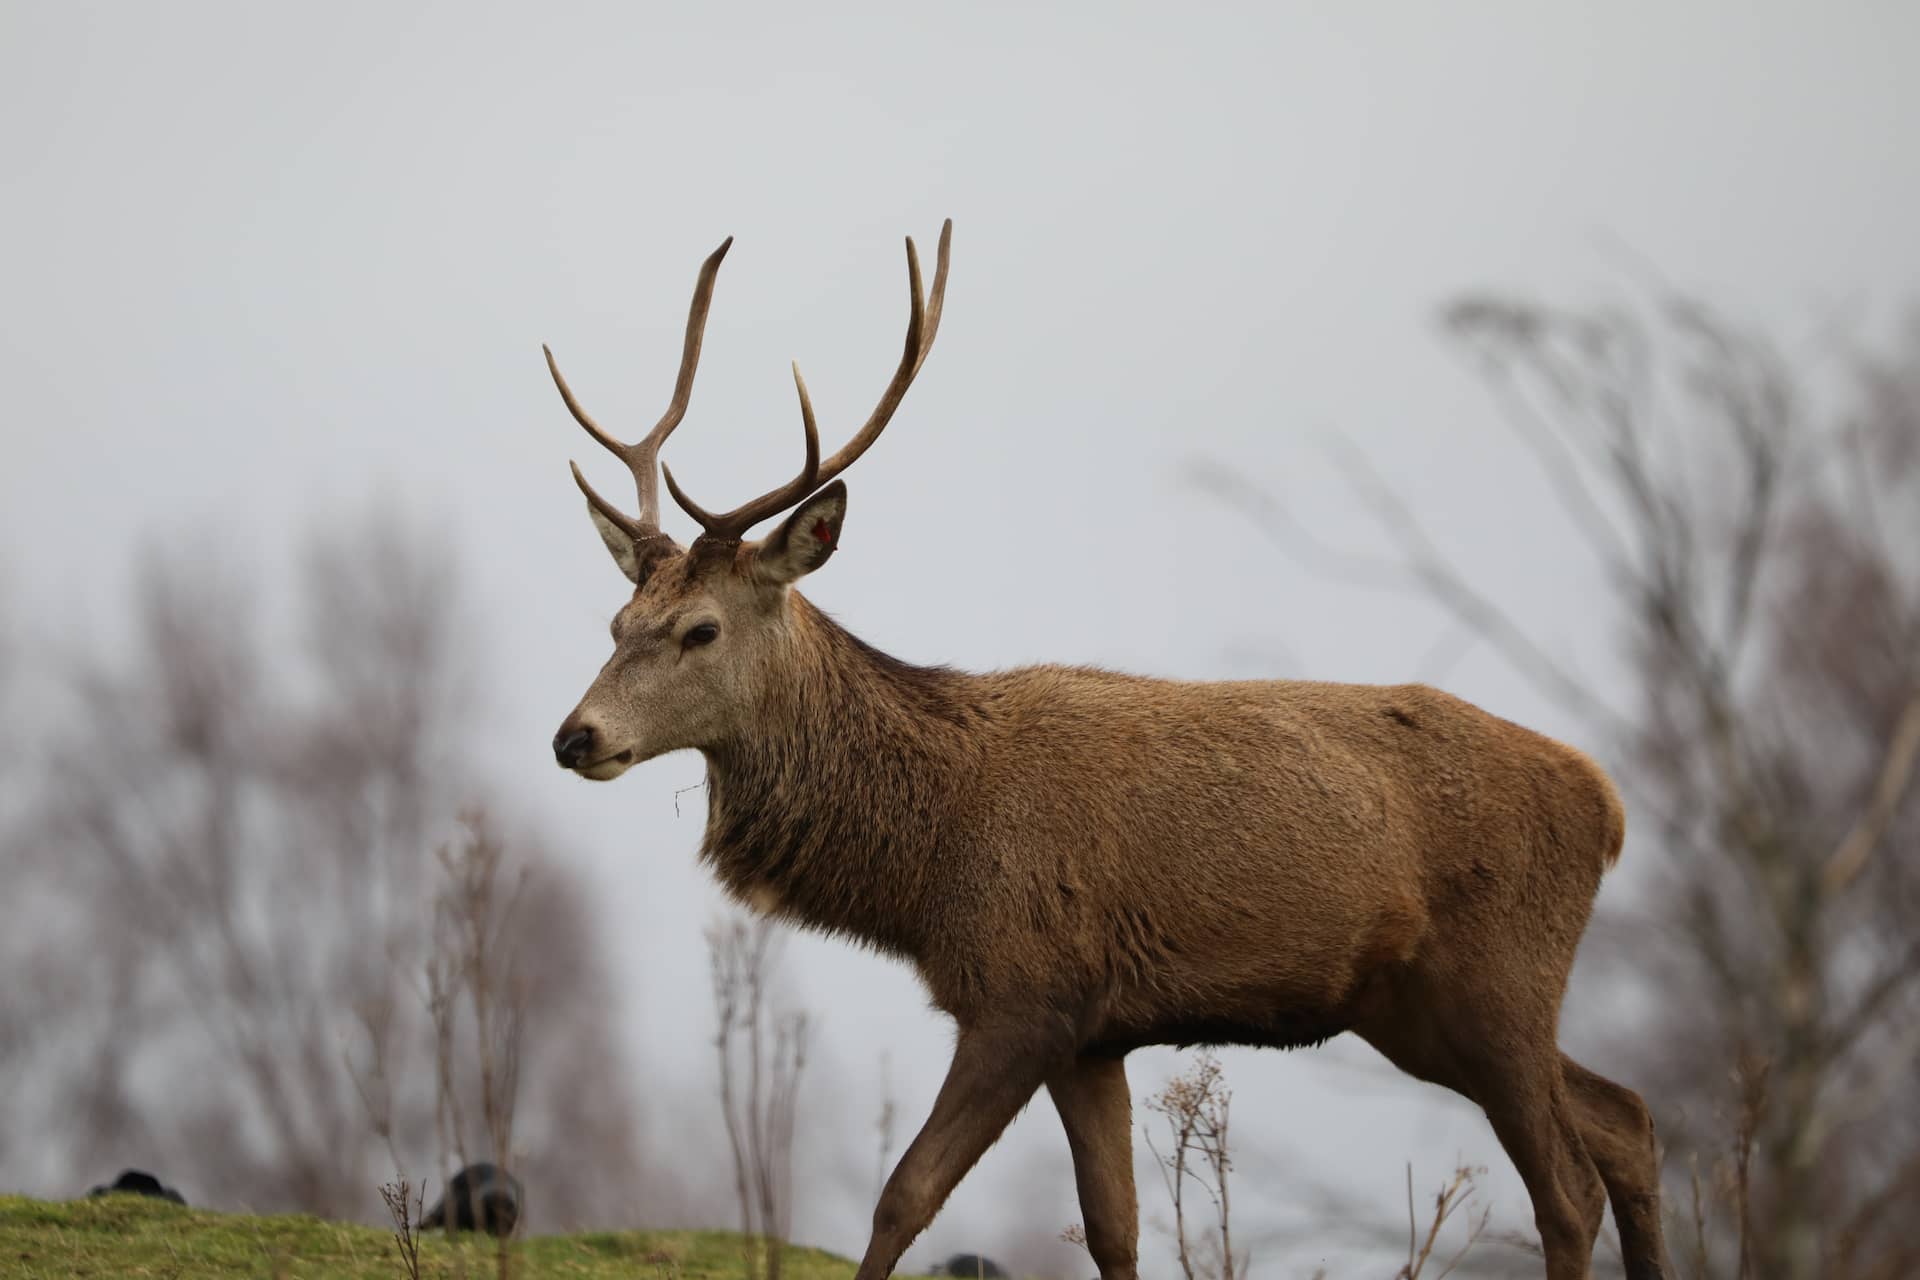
[(1097, 1112), (995, 1071)]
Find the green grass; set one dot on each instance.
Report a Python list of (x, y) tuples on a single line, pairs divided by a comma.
[(126, 1235)]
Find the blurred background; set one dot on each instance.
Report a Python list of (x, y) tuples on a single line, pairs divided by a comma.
[(1566, 358)]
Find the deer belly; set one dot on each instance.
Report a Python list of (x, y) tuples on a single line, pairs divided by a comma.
[(1263, 983), (1248, 1023)]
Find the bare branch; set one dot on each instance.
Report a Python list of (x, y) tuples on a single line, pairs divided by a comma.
[(1449, 587), (1896, 774)]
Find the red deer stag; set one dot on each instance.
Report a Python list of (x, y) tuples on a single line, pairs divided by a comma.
[(1079, 863)]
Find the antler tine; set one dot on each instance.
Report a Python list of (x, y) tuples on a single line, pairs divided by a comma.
[(733, 523), (689, 361), (923, 323), (939, 296), (634, 528), (641, 455)]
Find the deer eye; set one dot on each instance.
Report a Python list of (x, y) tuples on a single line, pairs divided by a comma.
[(705, 633)]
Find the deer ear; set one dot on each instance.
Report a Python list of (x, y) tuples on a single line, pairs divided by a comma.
[(637, 557), (804, 539), (626, 552)]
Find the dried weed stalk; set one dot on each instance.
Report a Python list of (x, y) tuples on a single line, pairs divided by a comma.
[(1454, 1194), (761, 1055), (1195, 1106), (405, 1208)]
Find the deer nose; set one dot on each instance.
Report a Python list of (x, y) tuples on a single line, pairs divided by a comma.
[(572, 746)]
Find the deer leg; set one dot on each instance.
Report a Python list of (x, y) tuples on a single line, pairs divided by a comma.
[(1514, 1076), (1097, 1112), (1618, 1134), (1536, 1124), (994, 1073)]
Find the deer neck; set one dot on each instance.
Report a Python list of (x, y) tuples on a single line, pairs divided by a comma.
[(830, 808)]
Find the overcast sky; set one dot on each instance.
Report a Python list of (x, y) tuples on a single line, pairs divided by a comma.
[(263, 266)]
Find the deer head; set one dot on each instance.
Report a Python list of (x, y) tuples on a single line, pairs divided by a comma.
[(706, 628)]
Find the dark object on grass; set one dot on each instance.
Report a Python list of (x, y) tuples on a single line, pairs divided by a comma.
[(135, 1182), (481, 1197), (973, 1266)]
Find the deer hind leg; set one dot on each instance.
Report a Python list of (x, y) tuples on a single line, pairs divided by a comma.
[(1536, 1123), (1513, 1073), (1097, 1112), (995, 1071), (1618, 1133)]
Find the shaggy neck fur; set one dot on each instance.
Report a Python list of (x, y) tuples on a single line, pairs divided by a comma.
[(830, 807)]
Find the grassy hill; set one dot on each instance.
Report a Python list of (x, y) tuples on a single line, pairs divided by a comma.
[(126, 1235)]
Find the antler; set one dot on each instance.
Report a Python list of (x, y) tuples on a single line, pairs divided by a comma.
[(922, 325), (640, 456)]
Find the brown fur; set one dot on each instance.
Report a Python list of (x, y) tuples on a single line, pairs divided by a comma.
[(1080, 863)]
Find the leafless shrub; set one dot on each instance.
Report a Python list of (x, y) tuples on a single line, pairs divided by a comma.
[(403, 1208), (762, 1052), (1718, 1213), (237, 812), (1195, 1106), (1454, 1194), (476, 965)]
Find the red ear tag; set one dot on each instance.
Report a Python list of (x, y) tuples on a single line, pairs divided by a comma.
[(823, 531)]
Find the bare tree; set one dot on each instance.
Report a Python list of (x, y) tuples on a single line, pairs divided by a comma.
[(762, 1052), (477, 965), (238, 813), (1757, 515)]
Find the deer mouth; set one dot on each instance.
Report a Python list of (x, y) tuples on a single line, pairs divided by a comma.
[(607, 768)]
